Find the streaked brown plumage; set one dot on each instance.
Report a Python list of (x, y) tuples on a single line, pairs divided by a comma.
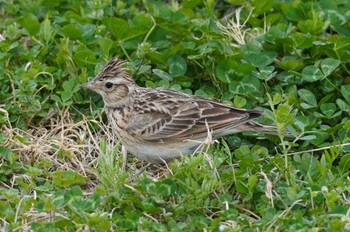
[(159, 124)]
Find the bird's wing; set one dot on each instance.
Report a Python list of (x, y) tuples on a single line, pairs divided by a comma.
[(171, 116)]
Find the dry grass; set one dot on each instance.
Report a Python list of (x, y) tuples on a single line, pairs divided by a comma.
[(68, 145), (65, 144)]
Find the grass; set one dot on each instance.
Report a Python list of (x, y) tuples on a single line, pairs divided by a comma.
[(62, 167)]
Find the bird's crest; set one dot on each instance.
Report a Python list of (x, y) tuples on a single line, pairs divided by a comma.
[(114, 68)]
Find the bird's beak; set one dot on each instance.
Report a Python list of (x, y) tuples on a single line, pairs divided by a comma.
[(88, 85)]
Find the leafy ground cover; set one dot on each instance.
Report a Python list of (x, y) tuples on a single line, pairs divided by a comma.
[(62, 169)]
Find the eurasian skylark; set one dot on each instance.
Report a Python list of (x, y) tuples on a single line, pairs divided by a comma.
[(159, 125)]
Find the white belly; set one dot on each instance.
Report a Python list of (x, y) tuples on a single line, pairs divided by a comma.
[(161, 152)]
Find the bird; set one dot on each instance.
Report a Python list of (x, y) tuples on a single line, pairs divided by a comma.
[(159, 125)]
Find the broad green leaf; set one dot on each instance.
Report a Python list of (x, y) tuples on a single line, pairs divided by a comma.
[(241, 187), (328, 109), (289, 77), (252, 182), (302, 40), (265, 73), (72, 31), (312, 26), (345, 90), (328, 65), (280, 32), (311, 73), (343, 105), (35, 105), (70, 85), (141, 21), (177, 65), (248, 86), (262, 6), (162, 74), (225, 70), (308, 97), (344, 162), (85, 57), (89, 31), (66, 95), (163, 83), (56, 98), (191, 3), (166, 187), (239, 101), (117, 26), (308, 137), (292, 12), (229, 70), (337, 22), (277, 98), (290, 64), (30, 23), (106, 44), (67, 178), (342, 45), (5, 152), (156, 57), (176, 87), (257, 57)]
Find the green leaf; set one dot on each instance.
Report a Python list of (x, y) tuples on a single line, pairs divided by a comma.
[(66, 95), (283, 115), (308, 137), (290, 63), (292, 12), (229, 70), (5, 152), (263, 6), (344, 106), (257, 57), (69, 85), (239, 102), (248, 86), (277, 98), (328, 109), (166, 187), (311, 73), (67, 178), (47, 32), (328, 65), (265, 73), (312, 26), (225, 69), (344, 162), (84, 57), (117, 26), (341, 47), (241, 187), (308, 97), (72, 31), (30, 23), (252, 182), (177, 65), (345, 90), (106, 44), (56, 98), (162, 74)]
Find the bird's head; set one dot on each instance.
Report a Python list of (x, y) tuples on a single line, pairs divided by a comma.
[(113, 83)]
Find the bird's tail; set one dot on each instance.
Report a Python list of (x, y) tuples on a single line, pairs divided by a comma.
[(266, 129)]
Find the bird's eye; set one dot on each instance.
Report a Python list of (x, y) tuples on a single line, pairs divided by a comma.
[(109, 85)]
